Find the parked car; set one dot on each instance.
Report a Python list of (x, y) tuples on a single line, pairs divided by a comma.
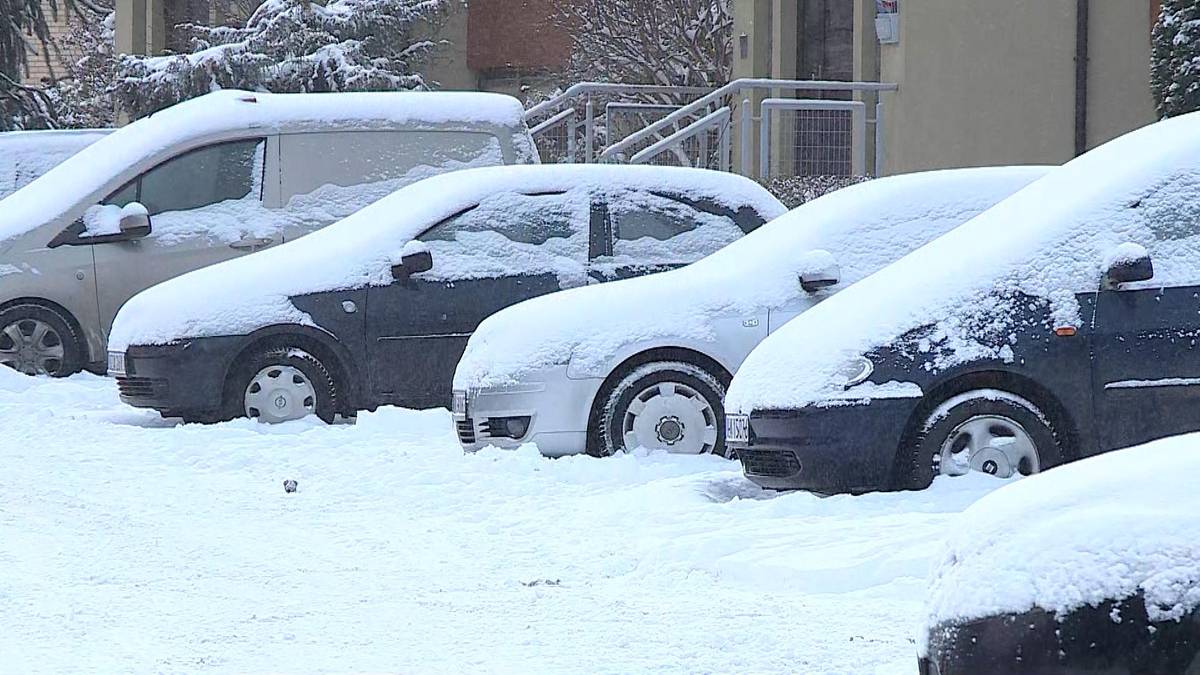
[(25, 155), (220, 176), (645, 363), (1057, 325), (1092, 568), (377, 309)]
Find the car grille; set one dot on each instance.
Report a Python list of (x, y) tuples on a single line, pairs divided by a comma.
[(466, 431), (141, 387), (770, 463)]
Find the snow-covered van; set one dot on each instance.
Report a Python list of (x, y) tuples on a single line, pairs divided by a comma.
[(645, 362), (376, 309), (25, 155), (210, 179), (1091, 568), (1057, 325)]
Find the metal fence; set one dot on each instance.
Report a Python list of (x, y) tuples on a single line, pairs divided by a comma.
[(756, 127)]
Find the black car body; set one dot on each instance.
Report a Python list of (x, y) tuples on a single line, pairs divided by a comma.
[(1078, 336), (395, 338)]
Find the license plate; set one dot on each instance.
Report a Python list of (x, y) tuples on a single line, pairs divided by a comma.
[(459, 404), (116, 363), (737, 428)]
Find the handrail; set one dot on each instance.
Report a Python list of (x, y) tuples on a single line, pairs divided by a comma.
[(737, 85), (568, 114), (607, 88), (700, 125)]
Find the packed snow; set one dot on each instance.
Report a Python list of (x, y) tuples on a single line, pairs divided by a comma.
[(1048, 241), (1103, 528), (857, 229), (132, 544), (25, 155), (222, 114), (247, 293)]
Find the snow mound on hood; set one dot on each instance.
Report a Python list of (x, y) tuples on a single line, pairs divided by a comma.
[(241, 295), (1048, 241), (863, 227), (1103, 528), (227, 112), (25, 155)]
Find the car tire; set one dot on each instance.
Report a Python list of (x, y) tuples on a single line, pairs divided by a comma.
[(681, 410), (279, 384), (983, 430), (58, 350)]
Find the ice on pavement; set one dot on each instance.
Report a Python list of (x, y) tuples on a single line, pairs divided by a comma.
[(1048, 241), (1103, 528), (132, 544)]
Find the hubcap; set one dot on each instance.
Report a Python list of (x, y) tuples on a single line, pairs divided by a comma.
[(670, 416), (32, 347), (279, 394), (993, 444)]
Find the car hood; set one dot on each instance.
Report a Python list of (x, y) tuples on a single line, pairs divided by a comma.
[(864, 226)]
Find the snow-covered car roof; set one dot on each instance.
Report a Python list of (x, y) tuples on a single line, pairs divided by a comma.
[(25, 155), (230, 114), (1049, 240), (241, 295), (859, 225), (1102, 528)]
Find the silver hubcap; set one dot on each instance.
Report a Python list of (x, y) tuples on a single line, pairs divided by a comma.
[(32, 347), (672, 417), (278, 394), (989, 443)]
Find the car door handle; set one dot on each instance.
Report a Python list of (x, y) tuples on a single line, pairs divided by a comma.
[(252, 243)]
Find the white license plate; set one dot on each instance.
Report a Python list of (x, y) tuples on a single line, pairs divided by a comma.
[(737, 428), (116, 363), (459, 404)]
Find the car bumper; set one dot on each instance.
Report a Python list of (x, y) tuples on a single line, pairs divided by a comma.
[(554, 407), (842, 448), (185, 378)]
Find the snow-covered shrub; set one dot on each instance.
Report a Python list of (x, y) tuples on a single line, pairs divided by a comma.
[(796, 190), (289, 46), (1175, 69)]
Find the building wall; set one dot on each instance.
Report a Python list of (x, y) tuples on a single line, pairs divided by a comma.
[(989, 83), (39, 71)]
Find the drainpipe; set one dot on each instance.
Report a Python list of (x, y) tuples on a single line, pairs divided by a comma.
[(1082, 9)]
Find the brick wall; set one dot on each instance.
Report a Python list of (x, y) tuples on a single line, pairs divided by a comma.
[(514, 35)]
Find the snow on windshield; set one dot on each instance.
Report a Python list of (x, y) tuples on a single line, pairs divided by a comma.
[(1102, 528), (241, 295), (25, 155), (864, 227), (1049, 241), (72, 182)]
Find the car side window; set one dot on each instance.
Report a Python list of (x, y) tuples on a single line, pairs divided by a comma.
[(661, 228), (1167, 222), (202, 177), (525, 233)]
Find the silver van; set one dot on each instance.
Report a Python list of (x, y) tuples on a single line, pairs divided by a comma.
[(211, 179)]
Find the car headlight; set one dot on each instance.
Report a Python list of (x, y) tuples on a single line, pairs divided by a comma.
[(855, 371)]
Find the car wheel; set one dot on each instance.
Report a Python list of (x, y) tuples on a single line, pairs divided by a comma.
[(985, 430), (37, 340), (672, 406), (281, 384)]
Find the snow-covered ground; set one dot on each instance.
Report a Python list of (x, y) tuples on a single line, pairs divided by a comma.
[(130, 544)]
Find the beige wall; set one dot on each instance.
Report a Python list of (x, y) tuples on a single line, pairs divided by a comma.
[(39, 71), (986, 83)]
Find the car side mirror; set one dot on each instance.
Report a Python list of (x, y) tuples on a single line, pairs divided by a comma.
[(134, 222), (413, 260), (1127, 264), (819, 270)]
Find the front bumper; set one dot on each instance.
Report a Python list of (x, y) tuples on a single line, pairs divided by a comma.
[(185, 378), (556, 407), (841, 448)]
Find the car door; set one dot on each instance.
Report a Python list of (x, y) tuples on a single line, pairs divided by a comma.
[(508, 248), (205, 206), (654, 231), (1146, 336)]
